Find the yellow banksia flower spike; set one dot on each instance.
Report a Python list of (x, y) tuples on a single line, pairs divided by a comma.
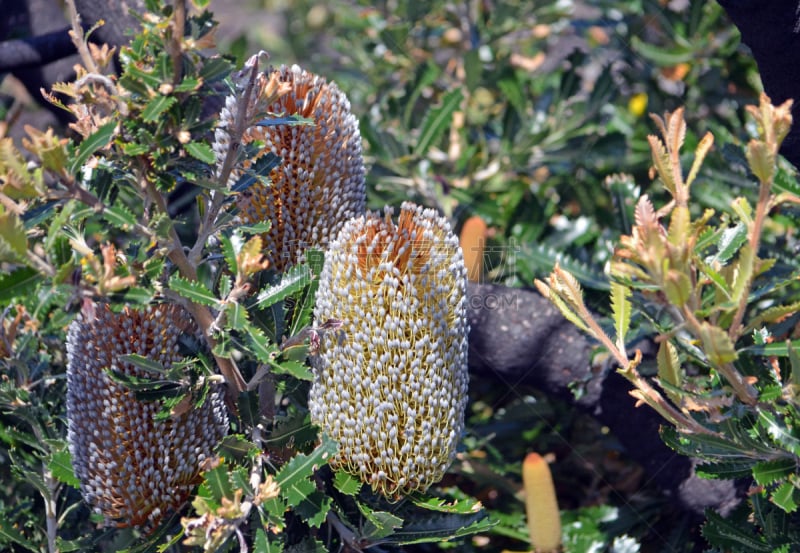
[(133, 469), (541, 505), (320, 182), (391, 385)]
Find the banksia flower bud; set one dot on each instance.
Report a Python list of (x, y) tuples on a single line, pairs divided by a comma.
[(391, 385), (320, 183), (133, 468)]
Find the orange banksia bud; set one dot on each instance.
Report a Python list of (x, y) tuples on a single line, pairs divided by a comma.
[(391, 384), (133, 468), (320, 182)]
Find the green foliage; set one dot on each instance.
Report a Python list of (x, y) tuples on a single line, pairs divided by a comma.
[(730, 401)]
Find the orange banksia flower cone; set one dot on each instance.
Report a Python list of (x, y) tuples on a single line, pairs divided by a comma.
[(133, 469), (320, 182), (391, 384)]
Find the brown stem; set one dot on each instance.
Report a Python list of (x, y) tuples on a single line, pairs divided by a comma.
[(742, 389), (176, 44), (200, 313), (78, 38), (240, 124)]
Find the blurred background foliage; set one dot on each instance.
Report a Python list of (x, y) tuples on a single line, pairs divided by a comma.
[(520, 112)]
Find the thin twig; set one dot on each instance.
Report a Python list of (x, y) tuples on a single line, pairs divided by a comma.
[(762, 208), (201, 314), (78, 40), (240, 124), (176, 43), (50, 509)]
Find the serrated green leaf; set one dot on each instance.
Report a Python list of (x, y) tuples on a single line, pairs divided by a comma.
[(237, 315), (708, 447), (257, 228), (258, 172), (717, 345), (459, 506), (60, 466), (292, 281), (10, 535), (744, 272), (380, 524), (440, 526), (767, 472), (156, 107), (142, 362), (437, 120), (314, 508), (193, 290), (677, 288), (725, 470), (201, 151), (294, 476), (669, 367), (785, 497), (120, 217), (230, 251), (346, 483), (215, 68), (95, 141), (18, 284), (777, 349), (778, 432), (264, 350), (728, 243), (218, 483), (274, 508), (296, 369), (262, 544), (13, 240), (621, 311), (679, 223), (236, 446), (730, 534)]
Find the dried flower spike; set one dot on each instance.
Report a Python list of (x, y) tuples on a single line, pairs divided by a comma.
[(391, 385), (320, 183), (133, 469)]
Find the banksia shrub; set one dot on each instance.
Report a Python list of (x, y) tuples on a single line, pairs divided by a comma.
[(133, 469), (320, 182), (391, 385)]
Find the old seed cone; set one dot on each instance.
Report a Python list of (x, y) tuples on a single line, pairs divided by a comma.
[(320, 183), (132, 468)]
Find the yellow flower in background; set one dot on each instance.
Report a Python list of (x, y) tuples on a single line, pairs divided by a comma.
[(637, 104)]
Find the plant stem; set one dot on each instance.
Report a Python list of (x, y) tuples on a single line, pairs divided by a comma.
[(50, 509), (176, 43), (217, 197), (762, 208), (78, 38), (201, 314)]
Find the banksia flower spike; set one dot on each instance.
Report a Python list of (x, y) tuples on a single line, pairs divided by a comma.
[(320, 182), (391, 385), (133, 469)]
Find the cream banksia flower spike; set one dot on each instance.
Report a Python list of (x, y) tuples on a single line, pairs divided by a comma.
[(320, 182), (133, 469), (391, 385)]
